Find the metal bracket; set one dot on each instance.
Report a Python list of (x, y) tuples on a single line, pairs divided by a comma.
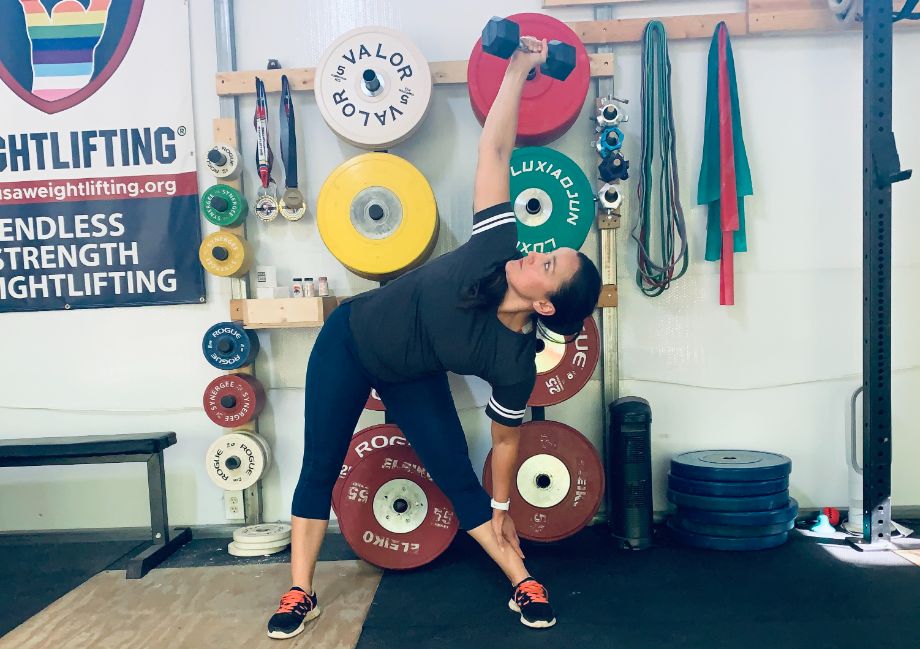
[(886, 163)]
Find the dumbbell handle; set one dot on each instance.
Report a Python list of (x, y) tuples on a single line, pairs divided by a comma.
[(549, 45), (523, 47)]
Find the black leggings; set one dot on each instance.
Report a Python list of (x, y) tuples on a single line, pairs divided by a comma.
[(337, 387)]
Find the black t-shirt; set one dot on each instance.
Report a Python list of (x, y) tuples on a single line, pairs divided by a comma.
[(415, 326)]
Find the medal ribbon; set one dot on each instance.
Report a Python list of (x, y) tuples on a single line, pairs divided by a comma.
[(265, 159), (288, 135)]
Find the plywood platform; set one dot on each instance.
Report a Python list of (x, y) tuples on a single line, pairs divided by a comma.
[(194, 608)]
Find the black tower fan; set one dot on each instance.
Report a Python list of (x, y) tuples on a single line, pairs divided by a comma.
[(629, 472)]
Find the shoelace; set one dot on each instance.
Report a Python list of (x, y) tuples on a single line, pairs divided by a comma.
[(291, 600), (532, 592)]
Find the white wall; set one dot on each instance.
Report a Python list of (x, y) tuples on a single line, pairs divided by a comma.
[(774, 372)]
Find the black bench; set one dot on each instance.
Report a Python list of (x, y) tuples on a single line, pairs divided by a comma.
[(105, 449)]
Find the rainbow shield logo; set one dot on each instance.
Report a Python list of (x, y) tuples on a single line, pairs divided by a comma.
[(54, 54)]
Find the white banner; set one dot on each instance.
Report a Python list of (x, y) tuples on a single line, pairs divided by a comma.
[(98, 190)]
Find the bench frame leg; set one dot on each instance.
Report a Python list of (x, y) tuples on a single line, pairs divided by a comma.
[(164, 542)]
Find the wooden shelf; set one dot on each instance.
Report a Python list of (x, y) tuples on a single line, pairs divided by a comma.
[(281, 313), (445, 72)]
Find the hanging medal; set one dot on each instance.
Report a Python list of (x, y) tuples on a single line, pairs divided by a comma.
[(266, 206), (292, 206)]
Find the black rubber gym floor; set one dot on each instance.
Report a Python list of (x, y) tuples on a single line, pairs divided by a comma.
[(805, 594), (34, 574)]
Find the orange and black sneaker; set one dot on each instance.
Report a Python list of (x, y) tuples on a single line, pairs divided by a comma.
[(296, 609), (531, 600)]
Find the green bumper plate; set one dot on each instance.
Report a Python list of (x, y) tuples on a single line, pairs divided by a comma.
[(552, 199), (224, 206)]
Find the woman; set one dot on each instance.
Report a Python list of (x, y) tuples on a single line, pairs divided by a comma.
[(471, 311)]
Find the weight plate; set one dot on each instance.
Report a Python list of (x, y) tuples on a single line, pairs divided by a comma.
[(548, 106), (553, 200), (731, 465), (559, 481), (263, 533), (224, 206), (377, 215), (725, 543), (746, 519), (228, 346), (363, 443), (263, 545), (730, 489), (236, 461), (732, 531), (261, 441), (729, 504), (239, 550), (392, 514), (373, 87), (234, 400), (223, 161), (374, 401), (225, 255), (563, 370)]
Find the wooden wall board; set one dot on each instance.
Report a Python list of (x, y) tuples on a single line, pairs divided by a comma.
[(778, 16), (442, 72), (630, 30)]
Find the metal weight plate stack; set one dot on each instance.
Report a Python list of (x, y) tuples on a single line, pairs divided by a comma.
[(391, 512), (377, 215), (731, 499), (548, 106), (559, 482), (260, 540), (564, 369), (373, 87), (553, 200)]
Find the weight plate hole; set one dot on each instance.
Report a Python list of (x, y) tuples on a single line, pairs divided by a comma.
[(371, 81)]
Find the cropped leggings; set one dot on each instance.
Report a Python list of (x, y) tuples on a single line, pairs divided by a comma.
[(337, 387)]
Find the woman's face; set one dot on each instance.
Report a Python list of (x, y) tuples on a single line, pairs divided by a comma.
[(540, 274)]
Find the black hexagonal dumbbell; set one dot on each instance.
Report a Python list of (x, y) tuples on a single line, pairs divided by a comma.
[(502, 36)]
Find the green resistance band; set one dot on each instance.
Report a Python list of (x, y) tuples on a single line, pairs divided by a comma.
[(654, 276)]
